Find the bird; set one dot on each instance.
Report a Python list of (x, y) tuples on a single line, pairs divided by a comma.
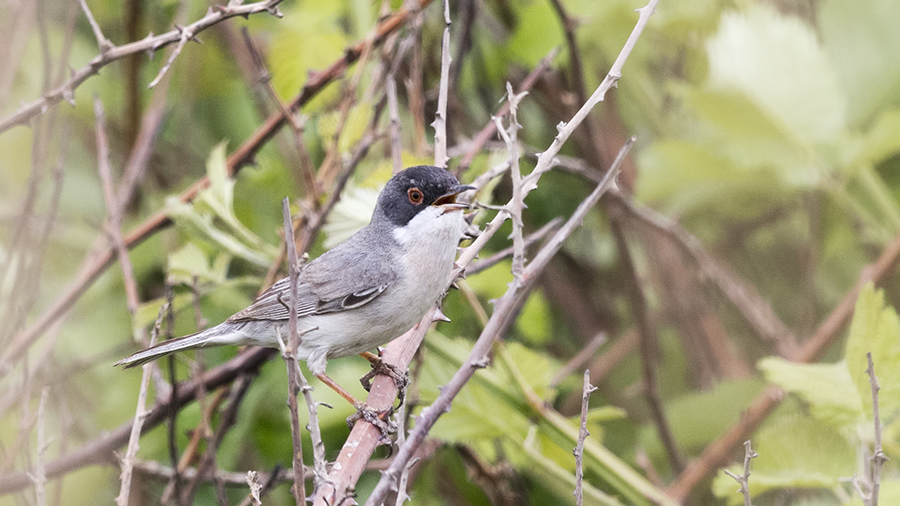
[(362, 293)]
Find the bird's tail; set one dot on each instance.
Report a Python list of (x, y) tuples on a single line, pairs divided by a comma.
[(216, 336)]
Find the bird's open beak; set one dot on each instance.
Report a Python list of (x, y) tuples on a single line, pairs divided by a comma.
[(447, 202)]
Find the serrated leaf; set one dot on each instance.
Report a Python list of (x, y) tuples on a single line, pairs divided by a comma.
[(190, 261), (828, 388), (862, 40), (875, 328), (777, 62), (794, 452)]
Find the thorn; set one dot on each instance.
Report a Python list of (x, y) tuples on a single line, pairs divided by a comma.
[(439, 316), (482, 363)]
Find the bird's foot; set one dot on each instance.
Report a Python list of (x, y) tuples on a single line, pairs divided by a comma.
[(380, 419), (379, 366)]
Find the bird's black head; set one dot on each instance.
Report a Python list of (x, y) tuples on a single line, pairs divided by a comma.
[(414, 189)]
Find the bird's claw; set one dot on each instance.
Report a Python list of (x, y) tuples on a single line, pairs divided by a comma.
[(400, 377), (380, 419)]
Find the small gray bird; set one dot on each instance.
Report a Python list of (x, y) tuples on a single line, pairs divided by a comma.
[(362, 293)]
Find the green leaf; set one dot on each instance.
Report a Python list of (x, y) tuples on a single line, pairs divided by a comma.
[(882, 140), (777, 62), (211, 215), (875, 329), (828, 388), (190, 261), (794, 452), (351, 213), (309, 38), (697, 418), (862, 40)]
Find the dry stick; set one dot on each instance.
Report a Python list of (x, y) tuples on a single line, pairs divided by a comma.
[(226, 421), (744, 478), (494, 330), (394, 112), (878, 457), (487, 133), (96, 264), (537, 235), (40, 478), (290, 355), (265, 78), (440, 116), (100, 449), (648, 347), (66, 91), (517, 202), (583, 433), (114, 217), (719, 451), (140, 415)]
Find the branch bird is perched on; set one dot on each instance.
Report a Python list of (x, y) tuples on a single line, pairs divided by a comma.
[(364, 292)]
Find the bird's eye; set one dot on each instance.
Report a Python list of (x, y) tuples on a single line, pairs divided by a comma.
[(415, 195)]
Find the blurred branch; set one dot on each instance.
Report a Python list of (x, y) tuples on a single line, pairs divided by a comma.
[(649, 346), (719, 451), (110, 53), (579, 360), (96, 264), (139, 418)]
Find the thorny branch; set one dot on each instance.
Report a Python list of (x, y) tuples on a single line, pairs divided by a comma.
[(744, 478), (110, 53), (870, 487), (583, 433)]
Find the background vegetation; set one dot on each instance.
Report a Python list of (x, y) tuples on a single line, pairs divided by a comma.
[(760, 197)]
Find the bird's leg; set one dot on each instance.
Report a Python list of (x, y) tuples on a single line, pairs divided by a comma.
[(379, 366), (380, 419), (339, 389)]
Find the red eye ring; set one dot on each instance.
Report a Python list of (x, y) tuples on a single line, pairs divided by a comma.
[(415, 195)]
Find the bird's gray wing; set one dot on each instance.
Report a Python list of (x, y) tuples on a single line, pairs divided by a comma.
[(343, 278)]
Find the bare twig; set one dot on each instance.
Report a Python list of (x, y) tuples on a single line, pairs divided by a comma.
[(579, 360), (537, 235), (104, 44), (517, 203), (66, 91), (744, 478), (40, 478), (583, 433), (290, 355), (440, 116), (486, 133), (114, 216), (140, 415), (878, 457), (394, 113)]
